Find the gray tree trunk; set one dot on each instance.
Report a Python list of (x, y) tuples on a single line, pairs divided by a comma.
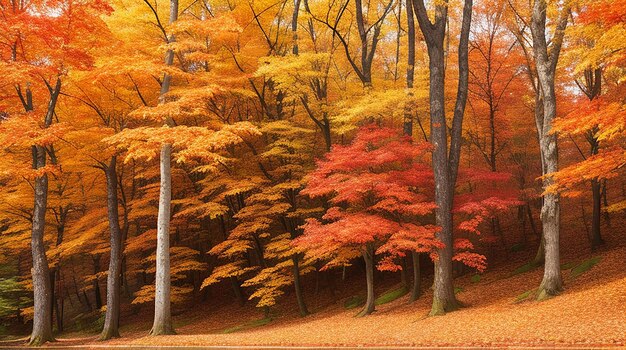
[(162, 312), (111, 320), (42, 291), (42, 288), (546, 61)]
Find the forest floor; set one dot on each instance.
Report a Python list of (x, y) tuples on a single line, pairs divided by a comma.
[(500, 310)]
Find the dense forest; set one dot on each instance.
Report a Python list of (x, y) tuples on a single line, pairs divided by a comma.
[(160, 158)]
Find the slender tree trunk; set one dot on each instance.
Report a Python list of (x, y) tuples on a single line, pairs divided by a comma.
[(237, 291), (162, 312), (368, 256), (111, 320), (416, 289), (96, 282), (596, 238), (298, 287)]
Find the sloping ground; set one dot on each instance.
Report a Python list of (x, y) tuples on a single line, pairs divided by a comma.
[(591, 312)]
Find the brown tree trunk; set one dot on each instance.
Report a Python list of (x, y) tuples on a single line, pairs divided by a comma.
[(596, 237), (445, 166), (298, 287), (96, 282), (111, 320), (368, 256), (416, 289)]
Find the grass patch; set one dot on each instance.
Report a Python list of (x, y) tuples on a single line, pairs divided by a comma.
[(525, 295), (391, 295), (248, 325), (569, 265), (354, 302), (518, 247), (458, 290), (475, 279), (585, 266), (525, 268)]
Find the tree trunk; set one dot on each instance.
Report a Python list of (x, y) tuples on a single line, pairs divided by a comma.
[(445, 166), (237, 291), (162, 313), (416, 290), (596, 238), (42, 291), (96, 282), (111, 320), (443, 299), (298, 287), (368, 256), (546, 63)]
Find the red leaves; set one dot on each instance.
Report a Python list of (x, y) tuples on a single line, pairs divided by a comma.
[(372, 184)]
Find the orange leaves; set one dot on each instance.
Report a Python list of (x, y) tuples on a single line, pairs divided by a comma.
[(189, 142), (603, 165), (27, 129), (609, 117)]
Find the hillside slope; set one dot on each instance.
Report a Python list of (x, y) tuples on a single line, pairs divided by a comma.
[(590, 312)]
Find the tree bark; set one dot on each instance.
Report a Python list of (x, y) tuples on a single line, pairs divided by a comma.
[(111, 320), (596, 237), (445, 166), (298, 287), (42, 291), (546, 63), (417, 276), (162, 312), (96, 282), (368, 256)]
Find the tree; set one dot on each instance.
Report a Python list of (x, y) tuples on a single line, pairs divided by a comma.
[(445, 164), (546, 59), (376, 190), (61, 39)]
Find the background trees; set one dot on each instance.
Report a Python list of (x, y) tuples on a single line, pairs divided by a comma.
[(285, 166)]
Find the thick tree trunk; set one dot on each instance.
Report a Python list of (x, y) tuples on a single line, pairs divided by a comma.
[(298, 287), (42, 291), (445, 166), (368, 256), (162, 313), (111, 320), (546, 63), (443, 297)]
